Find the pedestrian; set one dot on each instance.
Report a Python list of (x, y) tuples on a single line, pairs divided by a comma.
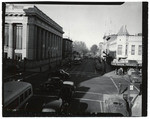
[(129, 75), (120, 71)]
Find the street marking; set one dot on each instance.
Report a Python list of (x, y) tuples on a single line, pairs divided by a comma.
[(89, 92), (31, 75), (89, 100), (114, 84), (133, 85), (136, 88)]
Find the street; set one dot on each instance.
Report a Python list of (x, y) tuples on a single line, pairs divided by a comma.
[(92, 88)]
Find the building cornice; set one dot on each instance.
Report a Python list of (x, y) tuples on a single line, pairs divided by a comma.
[(31, 10), (67, 39), (38, 13)]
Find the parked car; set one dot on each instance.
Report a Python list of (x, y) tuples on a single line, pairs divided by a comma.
[(17, 77), (61, 74), (136, 77), (52, 84), (69, 84), (53, 106), (56, 107), (77, 61), (67, 91)]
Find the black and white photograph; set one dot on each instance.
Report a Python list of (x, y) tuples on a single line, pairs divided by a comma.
[(74, 59)]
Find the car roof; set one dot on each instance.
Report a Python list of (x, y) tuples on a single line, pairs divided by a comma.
[(68, 83), (55, 104), (13, 89)]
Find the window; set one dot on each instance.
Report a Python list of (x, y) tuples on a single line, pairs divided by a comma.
[(140, 50), (21, 98), (6, 40), (26, 94), (119, 49), (29, 91), (14, 104), (18, 36), (133, 50)]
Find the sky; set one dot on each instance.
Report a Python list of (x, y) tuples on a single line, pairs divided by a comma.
[(89, 23)]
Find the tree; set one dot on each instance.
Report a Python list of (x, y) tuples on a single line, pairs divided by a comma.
[(94, 49), (80, 47)]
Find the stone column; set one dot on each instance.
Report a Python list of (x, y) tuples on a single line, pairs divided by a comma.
[(30, 42), (52, 45), (61, 41), (43, 45), (39, 43), (10, 42), (35, 42), (24, 41), (55, 46), (46, 44)]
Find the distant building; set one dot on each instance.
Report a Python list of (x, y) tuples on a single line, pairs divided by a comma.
[(31, 34), (67, 48), (124, 45)]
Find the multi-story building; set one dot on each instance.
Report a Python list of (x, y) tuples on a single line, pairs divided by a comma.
[(31, 34), (67, 48), (124, 45)]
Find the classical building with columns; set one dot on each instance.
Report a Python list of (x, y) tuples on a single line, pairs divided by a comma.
[(31, 34)]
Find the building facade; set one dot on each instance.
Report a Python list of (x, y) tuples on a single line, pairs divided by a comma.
[(67, 48), (31, 34), (124, 45)]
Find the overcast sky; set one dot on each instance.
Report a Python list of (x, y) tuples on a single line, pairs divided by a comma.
[(89, 23)]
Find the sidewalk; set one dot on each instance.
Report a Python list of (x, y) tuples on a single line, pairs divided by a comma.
[(137, 106), (135, 98)]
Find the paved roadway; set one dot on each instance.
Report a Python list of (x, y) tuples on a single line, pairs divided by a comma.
[(92, 87)]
